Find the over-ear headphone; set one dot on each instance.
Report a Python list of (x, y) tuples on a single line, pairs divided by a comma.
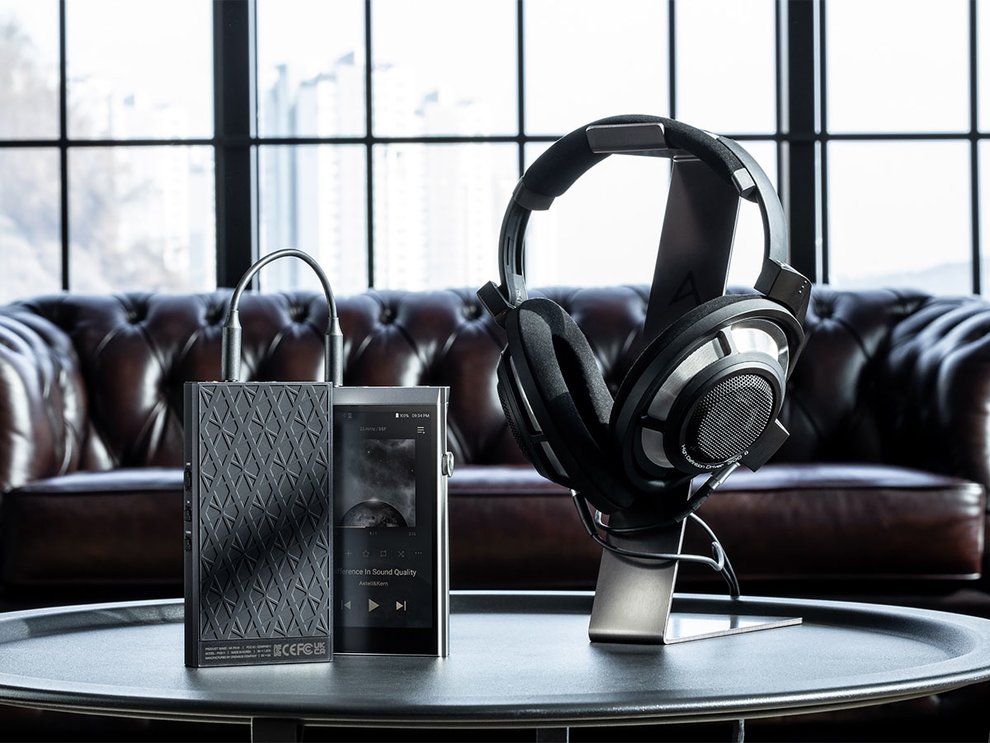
[(704, 394)]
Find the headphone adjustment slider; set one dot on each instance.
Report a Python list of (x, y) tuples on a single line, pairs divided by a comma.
[(493, 299), (783, 284), (529, 199)]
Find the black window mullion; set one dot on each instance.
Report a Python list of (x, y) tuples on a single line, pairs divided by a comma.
[(822, 144), (521, 86), (974, 150), (63, 146), (778, 63), (672, 58), (798, 126), (233, 67), (369, 131)]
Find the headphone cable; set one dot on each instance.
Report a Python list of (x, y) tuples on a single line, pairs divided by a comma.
[(720, 562)]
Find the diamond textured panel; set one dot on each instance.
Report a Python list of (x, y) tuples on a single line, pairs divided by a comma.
[(264, 528)]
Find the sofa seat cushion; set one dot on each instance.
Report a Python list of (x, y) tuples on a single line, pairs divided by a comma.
[(114, 528), (510, 528), (849, 522), (123, 528), (835, 522)]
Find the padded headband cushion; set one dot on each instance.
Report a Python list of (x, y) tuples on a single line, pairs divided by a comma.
[(570, 157), (569, 397)]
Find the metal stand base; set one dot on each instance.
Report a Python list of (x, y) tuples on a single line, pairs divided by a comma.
[(634, 596)]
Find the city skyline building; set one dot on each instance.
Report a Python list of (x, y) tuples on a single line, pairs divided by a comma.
[(437, 207)]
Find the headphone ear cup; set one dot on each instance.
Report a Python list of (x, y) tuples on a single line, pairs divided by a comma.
[(706, 389), (558, 403), (513, 407)]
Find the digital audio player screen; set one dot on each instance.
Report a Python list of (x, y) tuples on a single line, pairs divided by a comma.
[(385, 492)]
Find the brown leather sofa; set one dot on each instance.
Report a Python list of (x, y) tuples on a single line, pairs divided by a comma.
[(880, 493)]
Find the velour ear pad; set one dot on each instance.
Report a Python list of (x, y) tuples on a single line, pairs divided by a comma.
[(556, 370)]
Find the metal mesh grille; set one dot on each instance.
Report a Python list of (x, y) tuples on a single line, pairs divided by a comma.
[(728, 419)]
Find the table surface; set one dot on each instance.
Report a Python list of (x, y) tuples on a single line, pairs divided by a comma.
[(516, 659)]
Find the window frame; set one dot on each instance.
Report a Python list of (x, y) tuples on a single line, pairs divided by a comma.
[(370, 140), (823, 137), (801, 136)]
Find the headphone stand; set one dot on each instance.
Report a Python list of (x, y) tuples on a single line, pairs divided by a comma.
[(634, 596)]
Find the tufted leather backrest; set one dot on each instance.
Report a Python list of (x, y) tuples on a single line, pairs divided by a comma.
[(885, 376)]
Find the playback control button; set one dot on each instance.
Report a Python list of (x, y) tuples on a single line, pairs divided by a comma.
[(375, 606)]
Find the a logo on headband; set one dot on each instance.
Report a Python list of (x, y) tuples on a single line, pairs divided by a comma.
[(687, 290)]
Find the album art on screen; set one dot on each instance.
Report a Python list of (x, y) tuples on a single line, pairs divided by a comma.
[(379, 485)]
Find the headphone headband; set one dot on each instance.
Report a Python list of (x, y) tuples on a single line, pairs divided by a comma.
[(557, 169), (572, 155)]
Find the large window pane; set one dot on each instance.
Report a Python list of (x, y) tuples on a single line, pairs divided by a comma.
[(311, 68), (313, 197), (141, 218), (438, 209), (29, 222), (444, 67), (897, 65), (605, 229), (28, 69), (724, 86), (899, 215), (586, 60), (139, 69)]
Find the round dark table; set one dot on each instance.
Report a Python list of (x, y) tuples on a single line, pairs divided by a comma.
[(516, 660)]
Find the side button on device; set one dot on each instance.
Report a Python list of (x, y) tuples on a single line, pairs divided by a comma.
[(187, 493), (447, 464), (187, 541)]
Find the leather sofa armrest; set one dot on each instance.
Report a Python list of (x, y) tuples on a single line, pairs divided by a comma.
[(935, 389), (42, 399)]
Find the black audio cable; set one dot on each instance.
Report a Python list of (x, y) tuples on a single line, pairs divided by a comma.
[(719, 562)]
